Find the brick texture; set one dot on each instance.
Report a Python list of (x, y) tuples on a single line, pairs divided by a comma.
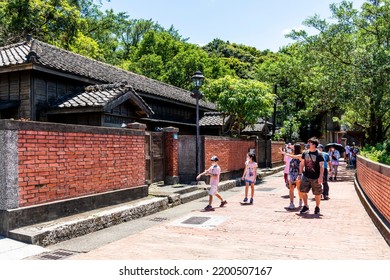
[(375, 180), (61, 165), (276, 157), (171, 154), (231, 153)]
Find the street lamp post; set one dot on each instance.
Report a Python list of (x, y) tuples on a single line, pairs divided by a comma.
[(197, 80)]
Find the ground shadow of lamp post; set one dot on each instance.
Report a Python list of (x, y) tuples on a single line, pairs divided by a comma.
[(197, 80)]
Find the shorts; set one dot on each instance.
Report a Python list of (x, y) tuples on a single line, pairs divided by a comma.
[(293, 178), (312, 184), (249, 181), (212, 190)]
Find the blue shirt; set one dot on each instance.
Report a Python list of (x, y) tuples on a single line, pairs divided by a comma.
[(326, 159)]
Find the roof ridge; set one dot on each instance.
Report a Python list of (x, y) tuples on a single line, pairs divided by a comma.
[(118, 85)]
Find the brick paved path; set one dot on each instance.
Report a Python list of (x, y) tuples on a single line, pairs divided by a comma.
[(265, 230)]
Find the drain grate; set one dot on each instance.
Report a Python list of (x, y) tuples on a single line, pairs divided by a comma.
[(265, 189), (196, 220), (56, 255), (159, 219)]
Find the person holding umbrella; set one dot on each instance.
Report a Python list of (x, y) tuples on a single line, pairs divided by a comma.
[(334, 156)]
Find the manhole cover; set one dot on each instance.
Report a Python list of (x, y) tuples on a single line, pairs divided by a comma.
[(158, 219), (56, 255), (196, 220), (265, 189)]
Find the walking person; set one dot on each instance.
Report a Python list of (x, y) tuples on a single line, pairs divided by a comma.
[(347, 155), (353, 153), (249, 175), (287, 160), (334, 156), (214, 172), (327, 164), (294, 179), (311, 171)]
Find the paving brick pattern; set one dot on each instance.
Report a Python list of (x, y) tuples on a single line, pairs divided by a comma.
[(264, 230)]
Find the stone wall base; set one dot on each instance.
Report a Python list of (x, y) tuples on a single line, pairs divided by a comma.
[(25, 216)]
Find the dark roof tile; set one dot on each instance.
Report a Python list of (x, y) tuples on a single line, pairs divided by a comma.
[(49, 56), (100, 97), (212, 119)]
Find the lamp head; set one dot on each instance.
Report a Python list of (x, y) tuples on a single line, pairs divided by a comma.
[(197, 79)]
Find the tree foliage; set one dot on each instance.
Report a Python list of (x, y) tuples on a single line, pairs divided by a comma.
[(352, 56), (245, 102), (341, 72)]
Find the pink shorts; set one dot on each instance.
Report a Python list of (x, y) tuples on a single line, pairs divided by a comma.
[(212, 190)]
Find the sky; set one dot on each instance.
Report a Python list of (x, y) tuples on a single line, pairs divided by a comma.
[(257, 23)]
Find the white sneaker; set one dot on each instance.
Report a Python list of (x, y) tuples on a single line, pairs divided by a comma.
[(292, 206), (300, 203)]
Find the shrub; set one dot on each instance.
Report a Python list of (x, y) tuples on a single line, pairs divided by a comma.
[(379, 153)]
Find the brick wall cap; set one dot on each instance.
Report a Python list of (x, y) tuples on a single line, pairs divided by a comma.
[(170, 129), (136, 125)]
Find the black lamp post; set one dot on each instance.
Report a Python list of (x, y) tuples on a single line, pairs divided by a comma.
[(197, 80)]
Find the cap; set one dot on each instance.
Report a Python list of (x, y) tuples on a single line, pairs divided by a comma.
[(214, 158), (320, 146)]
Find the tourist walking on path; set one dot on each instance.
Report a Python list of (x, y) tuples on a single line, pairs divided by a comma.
[(249, 175), (294, 180), (214, 172), (353, 153), (327, 164), (312, 171), (286, 159), (334, 156), (347, 155)]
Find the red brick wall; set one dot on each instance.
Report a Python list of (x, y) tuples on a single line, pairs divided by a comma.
[(171, 152), (60, 165), (374, 179), (276, 157), (231, 152)]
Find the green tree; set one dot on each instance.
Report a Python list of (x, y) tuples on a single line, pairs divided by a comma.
[(54, 21), (243, 101), (353, 54), (240, 58)]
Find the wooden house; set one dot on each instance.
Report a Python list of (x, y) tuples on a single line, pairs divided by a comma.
[(41, 82)]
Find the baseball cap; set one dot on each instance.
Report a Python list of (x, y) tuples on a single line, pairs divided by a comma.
[(214, 158), (320, 146)]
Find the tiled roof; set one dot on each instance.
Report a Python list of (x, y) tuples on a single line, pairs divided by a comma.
[(212, 119), (101, 97), (258, 127), (51, 57)]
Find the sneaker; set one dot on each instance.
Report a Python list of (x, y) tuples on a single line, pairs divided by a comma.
[(251, 201), (292, 206), (304, 210), (326, 197), (300, 203), (208, 208), (245, 200), (317, 210), (223, 203)]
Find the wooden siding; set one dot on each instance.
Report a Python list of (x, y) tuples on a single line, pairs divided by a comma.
[(16, 86)]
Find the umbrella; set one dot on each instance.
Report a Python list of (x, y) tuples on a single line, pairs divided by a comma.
[(337, 146)]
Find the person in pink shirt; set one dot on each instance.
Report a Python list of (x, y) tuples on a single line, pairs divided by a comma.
[(250, 174), (214, 172)]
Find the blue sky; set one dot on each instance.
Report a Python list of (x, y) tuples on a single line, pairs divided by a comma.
[(258, 23)]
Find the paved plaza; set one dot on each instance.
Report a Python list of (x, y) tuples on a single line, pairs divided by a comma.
[(265, 230)]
